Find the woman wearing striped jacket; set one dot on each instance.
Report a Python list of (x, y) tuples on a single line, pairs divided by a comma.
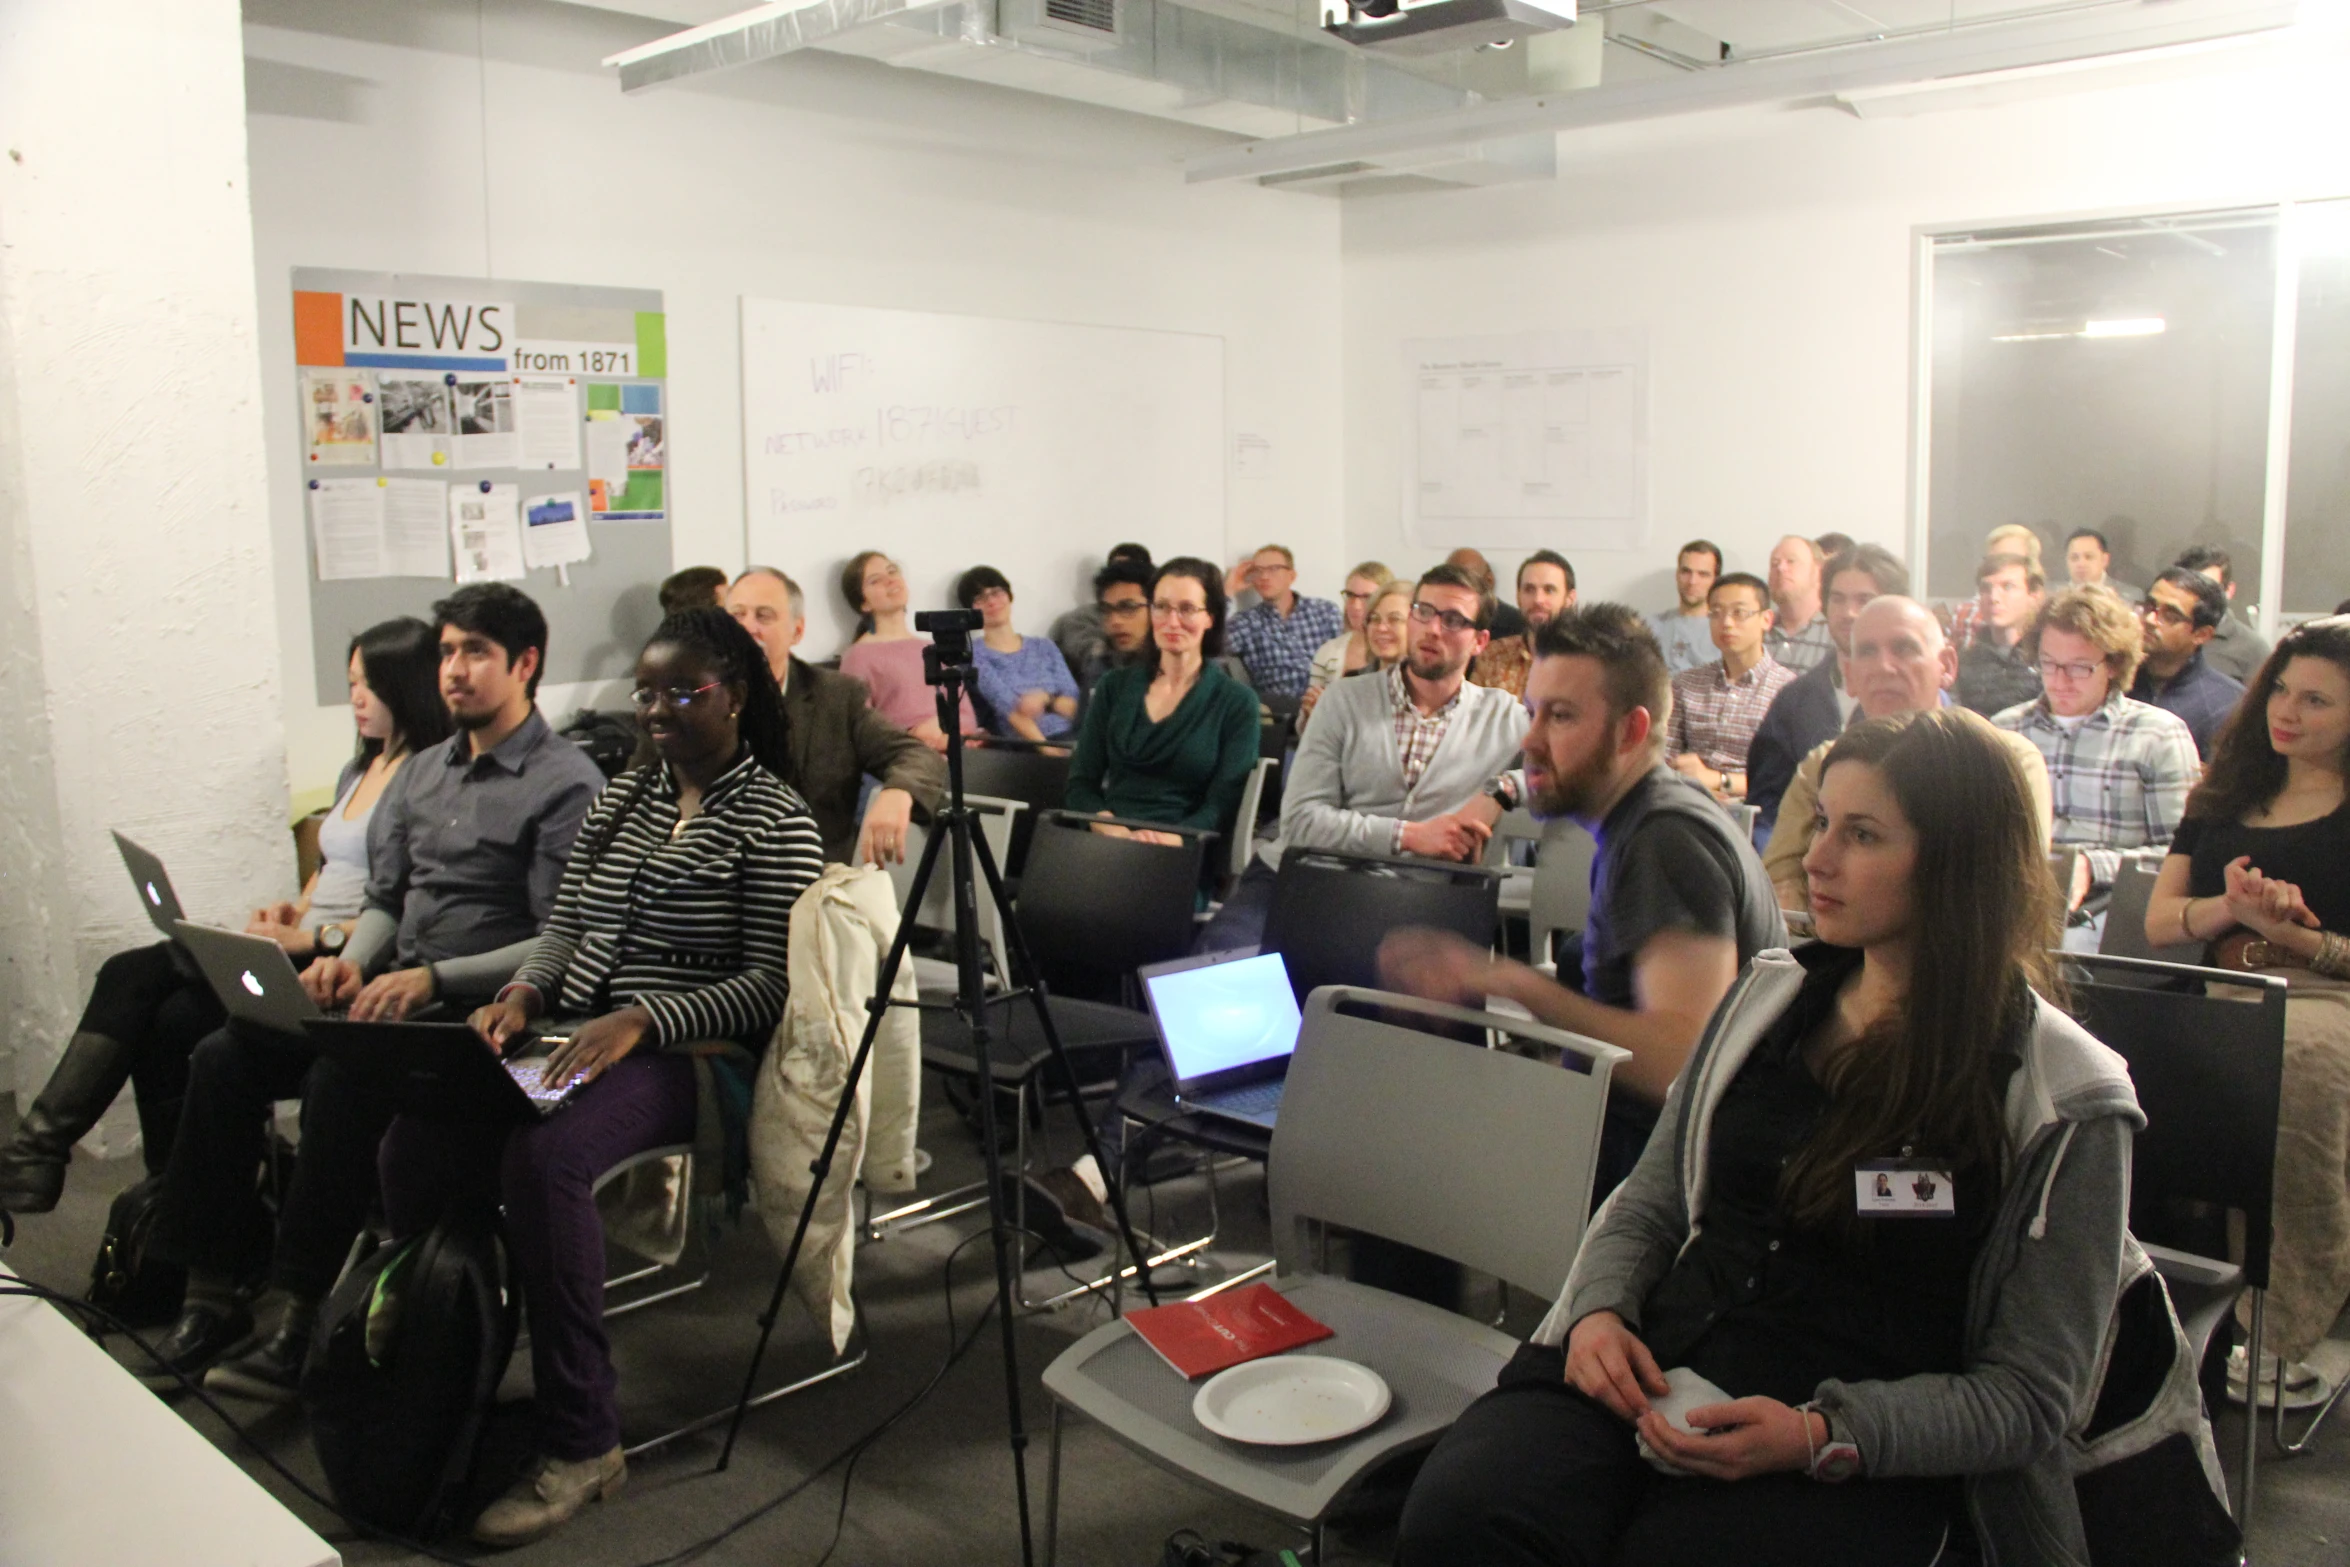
[(668, 943)]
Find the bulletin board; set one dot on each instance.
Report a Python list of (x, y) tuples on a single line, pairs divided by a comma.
[(476, 429)]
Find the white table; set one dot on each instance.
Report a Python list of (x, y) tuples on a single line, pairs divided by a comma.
[(95, 1471)]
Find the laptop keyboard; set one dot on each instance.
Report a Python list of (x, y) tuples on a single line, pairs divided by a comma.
[(1251, 1098)]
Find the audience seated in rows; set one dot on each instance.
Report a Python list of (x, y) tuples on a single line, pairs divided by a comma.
[(1678, 900), (1347, 652), (1798, 630), (692, 588), (1899, 663), (1391, 760), (666, 952), (1081, 632), (1546, 590), (2088, 563), (1683, 631), (1387, 629), (1277, 636), (1949, 1362), (1507, 621), (835, 737), (887, 651), (2236, 650), (2119, 771), (2180, 614), (2259, 875), (1995, 670), (1121, 612), (465, 852), (1818, 704), (149, 1007), (1023, 681), (1717, 707), (1170, 738)]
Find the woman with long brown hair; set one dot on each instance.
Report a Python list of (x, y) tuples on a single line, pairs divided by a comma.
[(1879, 1233), (2259, 872)]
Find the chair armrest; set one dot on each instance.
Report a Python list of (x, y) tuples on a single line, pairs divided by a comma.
[(1081, 819)]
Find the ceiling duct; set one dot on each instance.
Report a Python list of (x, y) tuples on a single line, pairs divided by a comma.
[(1441, 26)]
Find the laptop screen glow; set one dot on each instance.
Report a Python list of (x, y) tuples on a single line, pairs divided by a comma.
[(1226, 1015)]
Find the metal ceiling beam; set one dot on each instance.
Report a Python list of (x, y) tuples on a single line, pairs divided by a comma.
[(2149, 24), (747, 37)]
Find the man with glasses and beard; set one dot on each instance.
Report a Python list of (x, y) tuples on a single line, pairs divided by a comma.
[(1395, 763), (1679, 901)]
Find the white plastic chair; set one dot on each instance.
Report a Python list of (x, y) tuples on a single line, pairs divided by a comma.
[(1484, 1156), (1244, 821), (996, 821)]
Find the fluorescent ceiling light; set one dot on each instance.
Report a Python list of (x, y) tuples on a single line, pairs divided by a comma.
[(2127, 326)]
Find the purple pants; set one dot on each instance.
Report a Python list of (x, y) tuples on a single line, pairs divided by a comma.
[(544, 1175)]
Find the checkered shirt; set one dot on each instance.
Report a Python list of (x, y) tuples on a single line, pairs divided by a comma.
[(1417, 735), (1278, 650), (2120, 781), (1716, 716)]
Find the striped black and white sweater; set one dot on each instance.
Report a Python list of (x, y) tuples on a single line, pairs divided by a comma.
[(693, 924)]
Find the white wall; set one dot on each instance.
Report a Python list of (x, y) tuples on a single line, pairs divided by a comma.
[(1769, 255), (140, 687), (814, 177)]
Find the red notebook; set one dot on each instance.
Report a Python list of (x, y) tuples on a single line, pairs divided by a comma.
[(1198, 1337)]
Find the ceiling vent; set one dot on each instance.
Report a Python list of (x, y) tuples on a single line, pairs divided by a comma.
[(1086, 26), (1441, 26)]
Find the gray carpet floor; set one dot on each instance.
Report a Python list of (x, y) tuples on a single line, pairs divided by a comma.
[(938, 1487)]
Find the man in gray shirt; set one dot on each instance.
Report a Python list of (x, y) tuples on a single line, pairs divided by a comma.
[(465, 851)]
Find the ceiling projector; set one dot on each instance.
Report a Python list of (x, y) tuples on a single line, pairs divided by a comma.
[(1440, 26)]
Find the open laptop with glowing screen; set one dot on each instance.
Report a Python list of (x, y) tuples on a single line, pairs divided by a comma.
[(1228, 1024)]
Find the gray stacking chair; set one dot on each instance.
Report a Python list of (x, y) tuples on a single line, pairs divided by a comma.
[(1484, 1156), (2125, 917)]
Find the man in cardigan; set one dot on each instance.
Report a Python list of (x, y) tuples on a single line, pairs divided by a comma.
[(837, 739)]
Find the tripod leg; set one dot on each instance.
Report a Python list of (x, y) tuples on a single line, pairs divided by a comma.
[(1024, 971), (821, 1169)]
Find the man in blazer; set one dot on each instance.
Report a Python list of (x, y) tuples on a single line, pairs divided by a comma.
[(837, 739)]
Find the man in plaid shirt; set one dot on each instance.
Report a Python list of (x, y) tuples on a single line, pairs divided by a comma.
[(1276, 637), (2119, 771), (1717, 707)]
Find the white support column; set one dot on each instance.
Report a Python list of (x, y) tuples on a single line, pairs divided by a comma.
[(139, 665)]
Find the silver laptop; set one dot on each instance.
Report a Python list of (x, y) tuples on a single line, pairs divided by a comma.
[(252, 977), (155, 894), (1228, 1024)]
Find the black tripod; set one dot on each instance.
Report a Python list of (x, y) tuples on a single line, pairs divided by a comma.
[(946, 665)]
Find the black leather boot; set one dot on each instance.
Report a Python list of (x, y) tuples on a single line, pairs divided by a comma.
[(32, 1166)]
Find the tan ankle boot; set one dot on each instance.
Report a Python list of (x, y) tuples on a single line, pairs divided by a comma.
[(544, 1499)]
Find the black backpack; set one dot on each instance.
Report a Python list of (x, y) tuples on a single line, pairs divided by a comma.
[(403, 1365), (140, 1291)]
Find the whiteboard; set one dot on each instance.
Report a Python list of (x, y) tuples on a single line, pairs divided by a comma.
[(1532, 440), (953, 441)]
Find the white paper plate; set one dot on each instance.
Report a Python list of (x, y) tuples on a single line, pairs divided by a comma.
[(1286, 1400)]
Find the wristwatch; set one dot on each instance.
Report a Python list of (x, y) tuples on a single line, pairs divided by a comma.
[(331, 939), (1834, 1461), (1503, 792)]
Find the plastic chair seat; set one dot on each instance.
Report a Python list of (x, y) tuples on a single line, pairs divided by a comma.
[(1017, 1050), (1434, 1362)]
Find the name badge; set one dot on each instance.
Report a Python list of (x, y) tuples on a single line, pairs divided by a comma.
[(1899, 1188)]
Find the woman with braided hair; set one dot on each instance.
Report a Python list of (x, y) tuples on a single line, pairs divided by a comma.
[(666, 955)]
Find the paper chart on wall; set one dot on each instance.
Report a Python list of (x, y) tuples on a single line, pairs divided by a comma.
[(485, 523), (486, 435), (555, 531), (338, 414), (347, 527), (416, 528), (419, 423), (1535, 439), (628, 449), (546, 412)]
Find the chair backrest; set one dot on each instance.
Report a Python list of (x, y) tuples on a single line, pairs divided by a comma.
[(1106, 905), (1562, 886), (1515, 828), (1330, 911), (1036, 778), (1244, 821), (2125, 918), (1483, 1156), (1748, 816), (2208, 1067), (996, 819)]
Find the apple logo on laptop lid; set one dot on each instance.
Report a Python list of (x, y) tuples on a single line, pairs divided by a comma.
[(153, 896), (251, 983)]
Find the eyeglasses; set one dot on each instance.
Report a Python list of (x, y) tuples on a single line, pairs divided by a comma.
[(2071, 673), (1265, 568), (1391, 619), (1180, 611), (2165, 613), (1124, 607), (1426, 614), (645, 697), (1735, 614), (1352, 597)]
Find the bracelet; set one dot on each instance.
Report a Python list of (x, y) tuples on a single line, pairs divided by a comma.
[(2333, 955), (2186, 927)]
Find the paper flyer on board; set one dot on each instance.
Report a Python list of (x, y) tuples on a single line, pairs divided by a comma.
[(636, 491), (486, 436), (485, 523), (338, 411), (416, 528), (347, 527), (419, 424), (546, 410), (554, 530)]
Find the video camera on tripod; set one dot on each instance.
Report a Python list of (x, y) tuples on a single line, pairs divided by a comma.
[(950, 643)]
